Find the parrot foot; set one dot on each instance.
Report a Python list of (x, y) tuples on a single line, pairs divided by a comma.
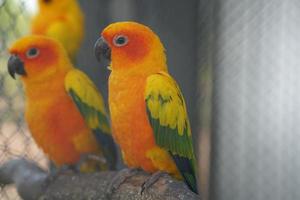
[(64, 169), (151, 180), (94, 157), (120, 178), (91, 162)]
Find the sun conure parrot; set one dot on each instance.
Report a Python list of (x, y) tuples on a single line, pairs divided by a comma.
[(62, 20), (64, 111), (148, 112)]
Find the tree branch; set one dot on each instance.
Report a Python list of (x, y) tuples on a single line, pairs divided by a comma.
[(87, 186)]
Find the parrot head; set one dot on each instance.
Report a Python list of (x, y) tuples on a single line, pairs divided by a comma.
[(54, 5), (130, 44), (36, 58)]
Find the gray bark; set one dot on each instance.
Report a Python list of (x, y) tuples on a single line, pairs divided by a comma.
[(33, 183), (94, 186)]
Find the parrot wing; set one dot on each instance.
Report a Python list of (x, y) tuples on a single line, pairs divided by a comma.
[(169, 120), (91, 105)]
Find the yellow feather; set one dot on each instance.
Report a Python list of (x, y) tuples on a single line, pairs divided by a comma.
[(89, 95), (161, 88), (62, 20), (159, 157)]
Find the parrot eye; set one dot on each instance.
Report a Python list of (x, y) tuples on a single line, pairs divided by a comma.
[(32, 53), (120, 40)]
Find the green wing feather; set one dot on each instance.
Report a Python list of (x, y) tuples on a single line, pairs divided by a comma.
[(168, 117), (91, 105)]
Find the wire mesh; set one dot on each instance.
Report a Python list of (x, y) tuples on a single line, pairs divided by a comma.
[(15, 139), (256, 133)]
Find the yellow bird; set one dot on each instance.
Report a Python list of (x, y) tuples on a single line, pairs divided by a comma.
[(64, 111), (148, 112), (62, 20)]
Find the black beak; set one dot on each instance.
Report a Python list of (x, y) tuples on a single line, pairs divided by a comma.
[(15, 66), (102, 49)]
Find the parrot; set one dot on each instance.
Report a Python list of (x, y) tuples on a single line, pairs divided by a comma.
[(62, 20), (148, 112), (64, 111)]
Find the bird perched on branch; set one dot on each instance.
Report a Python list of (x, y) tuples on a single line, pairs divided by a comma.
[(148, 112), (64, 110), (62, 20)]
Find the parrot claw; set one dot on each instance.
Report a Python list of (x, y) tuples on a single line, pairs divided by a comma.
[(151, 180), (64, 169), (91, 162), (120, 178)]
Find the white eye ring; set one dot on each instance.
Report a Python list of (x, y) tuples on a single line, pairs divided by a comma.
[(120, 40), (32, 53)]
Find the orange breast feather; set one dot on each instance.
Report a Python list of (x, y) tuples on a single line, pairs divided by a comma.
[(57, 126), (131, 127)]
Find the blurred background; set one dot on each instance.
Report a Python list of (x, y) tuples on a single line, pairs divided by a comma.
[(237, 65)]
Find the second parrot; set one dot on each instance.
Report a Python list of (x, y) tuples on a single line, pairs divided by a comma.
[(64, 110)]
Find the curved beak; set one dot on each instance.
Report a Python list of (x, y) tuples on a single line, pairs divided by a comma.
[(102, 49), (15, 66)]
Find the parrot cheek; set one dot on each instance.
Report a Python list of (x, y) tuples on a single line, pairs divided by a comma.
[(36, 73)]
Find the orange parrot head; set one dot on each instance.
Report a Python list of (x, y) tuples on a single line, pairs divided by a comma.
[(130, 44), (36, 58), (54, 5)]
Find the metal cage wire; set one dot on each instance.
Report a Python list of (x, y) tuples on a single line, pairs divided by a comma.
[(14, 135)]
